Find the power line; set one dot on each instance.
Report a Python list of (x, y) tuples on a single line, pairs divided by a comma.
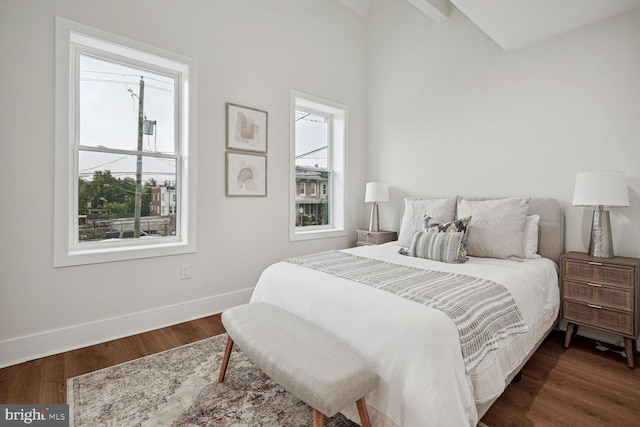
[(87, 79), (311, 152), (129, 75), (114, 173), (104, 164)]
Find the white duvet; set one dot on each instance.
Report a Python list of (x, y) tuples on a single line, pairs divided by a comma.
[(416, 349)]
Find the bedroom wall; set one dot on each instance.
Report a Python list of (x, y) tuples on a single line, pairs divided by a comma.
[(249, 52), (450, 113)]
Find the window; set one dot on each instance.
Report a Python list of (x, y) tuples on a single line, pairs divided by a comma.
[(318, 139), (125, 131)]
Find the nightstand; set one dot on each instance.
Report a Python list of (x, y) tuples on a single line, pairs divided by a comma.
[(601, 293), (366, 237)]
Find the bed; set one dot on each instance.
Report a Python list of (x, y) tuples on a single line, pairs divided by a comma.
[(426, 379)]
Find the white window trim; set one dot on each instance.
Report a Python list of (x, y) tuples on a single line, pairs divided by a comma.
[(338, 160), (66, 251)]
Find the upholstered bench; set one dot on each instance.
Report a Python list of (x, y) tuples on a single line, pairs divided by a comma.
[(311, 364)]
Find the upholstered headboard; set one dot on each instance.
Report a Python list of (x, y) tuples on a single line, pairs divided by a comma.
[(550, 227)]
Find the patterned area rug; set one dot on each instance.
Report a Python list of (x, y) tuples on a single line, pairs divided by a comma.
[(179, 387)]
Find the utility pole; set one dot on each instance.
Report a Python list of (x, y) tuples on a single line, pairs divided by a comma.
[(138, 200)]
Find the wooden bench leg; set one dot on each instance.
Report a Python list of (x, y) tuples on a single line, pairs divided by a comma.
[(225, 361), (364, 414), (318, 418)]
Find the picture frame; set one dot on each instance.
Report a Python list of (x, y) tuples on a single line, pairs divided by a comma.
[(247, 128), (246, 174)]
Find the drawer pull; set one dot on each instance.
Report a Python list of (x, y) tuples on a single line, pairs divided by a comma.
[(594, 306), (594, 263), (595, 285)]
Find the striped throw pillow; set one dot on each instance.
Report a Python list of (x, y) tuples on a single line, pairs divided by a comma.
[(443, 247)]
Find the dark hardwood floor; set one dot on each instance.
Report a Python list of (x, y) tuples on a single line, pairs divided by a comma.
[(44, 381), (579, 386)]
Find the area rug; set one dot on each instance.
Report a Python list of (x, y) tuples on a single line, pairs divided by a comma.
[(179, 387)]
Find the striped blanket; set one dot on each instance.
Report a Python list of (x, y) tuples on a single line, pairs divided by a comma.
[(483, 311)]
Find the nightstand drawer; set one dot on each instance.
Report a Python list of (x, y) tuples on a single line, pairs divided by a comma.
[(598, 273), (598, 317), (364, 237), (593, 293), (368, 239)]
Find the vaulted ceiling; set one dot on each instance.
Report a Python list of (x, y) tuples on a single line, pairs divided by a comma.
[(516, 23)]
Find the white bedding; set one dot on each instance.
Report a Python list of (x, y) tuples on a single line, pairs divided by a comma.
[(416, 349)]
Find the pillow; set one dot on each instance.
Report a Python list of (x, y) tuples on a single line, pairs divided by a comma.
[(455, 226), (531, 236), (415, 211), (446, 227), (443, 247), (497, 227)]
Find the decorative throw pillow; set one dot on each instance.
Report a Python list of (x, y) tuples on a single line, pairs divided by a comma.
[(497, 228), (443, 247), (456, 226), (531, 236), (415, 210)]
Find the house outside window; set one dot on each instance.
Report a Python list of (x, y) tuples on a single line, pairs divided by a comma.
[(318, 135), (125, 122)]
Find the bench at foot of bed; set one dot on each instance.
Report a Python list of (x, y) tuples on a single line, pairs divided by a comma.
[(316, 367)]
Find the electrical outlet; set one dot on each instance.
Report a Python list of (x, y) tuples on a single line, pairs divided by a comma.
[(185, 271)]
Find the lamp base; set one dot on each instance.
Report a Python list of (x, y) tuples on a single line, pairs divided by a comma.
[(374, 222), (601, 243)]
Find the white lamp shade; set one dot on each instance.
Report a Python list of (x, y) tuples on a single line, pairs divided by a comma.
[(376, 192), (601, 189)]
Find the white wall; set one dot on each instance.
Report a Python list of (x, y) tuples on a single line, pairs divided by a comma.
[(249, 52), (450, 113)]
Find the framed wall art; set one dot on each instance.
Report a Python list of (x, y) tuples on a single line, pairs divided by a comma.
[(246, 174), (246, 128)]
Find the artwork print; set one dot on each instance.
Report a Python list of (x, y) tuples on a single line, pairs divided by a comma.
[(246, 174), (246, 128)]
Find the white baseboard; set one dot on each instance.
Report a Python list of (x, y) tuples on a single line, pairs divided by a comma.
[(30, 347)]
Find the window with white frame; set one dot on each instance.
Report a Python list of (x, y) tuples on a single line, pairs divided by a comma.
[(125, 134), (318, 140)]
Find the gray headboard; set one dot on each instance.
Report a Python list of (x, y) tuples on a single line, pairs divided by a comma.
[(551, 225)]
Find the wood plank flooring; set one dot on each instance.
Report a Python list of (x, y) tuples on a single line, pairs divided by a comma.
[(579, 386)]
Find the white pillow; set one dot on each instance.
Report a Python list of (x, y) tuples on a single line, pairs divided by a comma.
[(416, 210), (531, 236), (496, 229)]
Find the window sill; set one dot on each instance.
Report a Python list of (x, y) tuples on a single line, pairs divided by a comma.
[(104, 252), (316, 233)]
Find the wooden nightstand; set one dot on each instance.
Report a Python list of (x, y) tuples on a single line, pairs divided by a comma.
[(601, 293), (366, 237)]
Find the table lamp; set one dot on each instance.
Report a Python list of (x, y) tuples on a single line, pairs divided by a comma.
[(601, 189), (375, 192)]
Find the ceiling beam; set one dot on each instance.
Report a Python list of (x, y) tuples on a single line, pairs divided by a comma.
[(438, 10)]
